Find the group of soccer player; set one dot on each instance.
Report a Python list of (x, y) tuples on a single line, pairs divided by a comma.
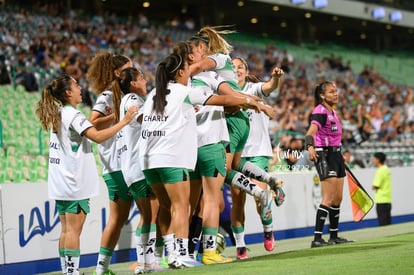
[(171, 150)]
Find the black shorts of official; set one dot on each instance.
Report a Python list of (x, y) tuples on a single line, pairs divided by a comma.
[(330, 163)]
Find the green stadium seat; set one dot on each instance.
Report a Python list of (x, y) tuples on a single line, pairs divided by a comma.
[(42, 173), (30, 145), (41, 160), (14, 162), (14, 175), (4, 162), (34, 175), (27, 161), (26, 177), (3, 176), (11, 150)]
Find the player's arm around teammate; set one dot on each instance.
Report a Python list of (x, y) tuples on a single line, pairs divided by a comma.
[(211, 45), (102, 74), (258, 147), (168, 150), (132, 85), (72, 178)]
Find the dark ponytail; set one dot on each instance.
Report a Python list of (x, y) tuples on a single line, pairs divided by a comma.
[(320, 90), (166, 71)]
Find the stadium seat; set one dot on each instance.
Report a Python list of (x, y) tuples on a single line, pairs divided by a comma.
[(14, 175), (3, 176), (25, 174), (42, 173), (27, 160), (41, 160), (35, 175), (14, 162), (31, 145)]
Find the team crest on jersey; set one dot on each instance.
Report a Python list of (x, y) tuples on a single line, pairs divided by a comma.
[(108, 110)]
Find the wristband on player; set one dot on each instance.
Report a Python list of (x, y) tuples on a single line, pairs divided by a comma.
[(309, 142)]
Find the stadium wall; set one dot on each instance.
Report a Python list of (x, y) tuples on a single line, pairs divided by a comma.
[(30, 224)]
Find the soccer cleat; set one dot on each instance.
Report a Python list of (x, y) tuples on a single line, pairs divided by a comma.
[(242, 253), (213, 257), (164, 262), (189, 262), (199, 257), (276, 186), (139, 269), (279, 196), (174, 262), (319, 243), (266, 205), (274, 183), (106, 272), (220, 243), (269, 241), (338, 240)]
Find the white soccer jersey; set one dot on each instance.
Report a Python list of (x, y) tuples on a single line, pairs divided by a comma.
[(107, 149), (169, 140), (258, 143), (211, 122), (72, 171), (127, 142), (225, 69)]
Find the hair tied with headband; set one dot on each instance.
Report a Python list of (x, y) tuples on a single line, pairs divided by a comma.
[(180, 59), (242, 60), (196, 37)]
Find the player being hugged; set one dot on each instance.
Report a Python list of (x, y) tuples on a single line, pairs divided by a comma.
[(167, 150)]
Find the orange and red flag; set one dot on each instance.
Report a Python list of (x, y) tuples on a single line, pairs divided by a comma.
[(361, 202)]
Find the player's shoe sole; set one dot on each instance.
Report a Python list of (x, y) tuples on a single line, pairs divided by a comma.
[(276, 186)]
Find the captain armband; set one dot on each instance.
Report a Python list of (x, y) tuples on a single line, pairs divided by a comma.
[(309, 141)]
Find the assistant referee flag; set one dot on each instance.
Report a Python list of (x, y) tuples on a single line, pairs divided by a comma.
[(361, 202)]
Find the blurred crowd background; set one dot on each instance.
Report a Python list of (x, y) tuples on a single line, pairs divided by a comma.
[(41, 41)]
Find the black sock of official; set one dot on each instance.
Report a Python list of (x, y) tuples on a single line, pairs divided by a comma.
[(196, 226), (321, 215), (334, 221)]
